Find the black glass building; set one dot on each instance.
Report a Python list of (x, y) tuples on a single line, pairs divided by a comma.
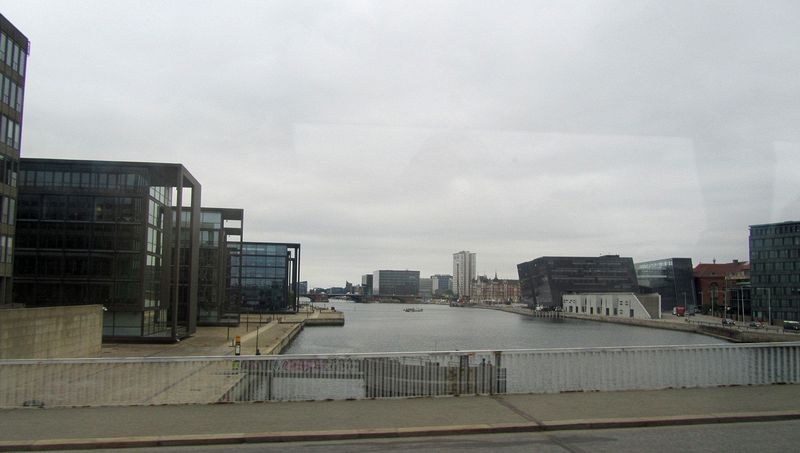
[(14, 48), (267, 274), (219, 302), (395, 283), (544, 280), (672, 278), (97, 232), (775, 271)]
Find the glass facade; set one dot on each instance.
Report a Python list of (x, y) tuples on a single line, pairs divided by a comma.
[(13, 57), (775, 271), (267, 275), (218, 302), (544, 280), (672, 278), (395, 283), (98, 233)]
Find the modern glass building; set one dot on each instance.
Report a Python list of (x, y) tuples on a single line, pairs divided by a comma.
[(218, 301), (442, 284), (395, 283), (14, 49), (267, 275), (775, 271), (366, 283), (672, 278), (97, 232), (544, 280)]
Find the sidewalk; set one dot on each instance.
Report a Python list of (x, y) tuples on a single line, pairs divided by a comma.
[(108, 427)]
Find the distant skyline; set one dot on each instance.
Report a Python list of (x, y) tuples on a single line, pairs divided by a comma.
[(390, 135)]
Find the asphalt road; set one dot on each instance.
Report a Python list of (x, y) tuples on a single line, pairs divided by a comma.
[(761, 437)]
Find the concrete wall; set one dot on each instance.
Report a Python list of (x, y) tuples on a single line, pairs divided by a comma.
[(51, 332)]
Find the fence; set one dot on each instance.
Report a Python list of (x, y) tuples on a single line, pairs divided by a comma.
[(203, 380)]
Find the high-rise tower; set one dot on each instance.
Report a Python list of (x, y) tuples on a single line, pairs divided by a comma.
[(463, 272)]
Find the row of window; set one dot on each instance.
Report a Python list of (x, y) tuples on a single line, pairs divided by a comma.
[(773, 278), (11, 93), (71, 293), (8, 170), (80, 236), (10, 132), (258, 272), (258, 283), (771, 230), (773, 254), (120, 266), (155, 241), (6, 249), (262, 249), (262, 261), (777, 266), (8, 213), (161, 194), (12, 54), (772, 242), (80, 208), (84, 179)]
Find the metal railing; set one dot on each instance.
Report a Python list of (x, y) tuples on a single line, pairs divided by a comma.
[(203, 380)]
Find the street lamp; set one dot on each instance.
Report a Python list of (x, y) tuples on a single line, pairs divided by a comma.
[(258, 351)]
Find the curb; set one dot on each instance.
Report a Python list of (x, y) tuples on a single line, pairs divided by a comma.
[(351, 434)]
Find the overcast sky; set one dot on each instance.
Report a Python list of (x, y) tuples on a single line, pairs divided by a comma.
[(389, 135)]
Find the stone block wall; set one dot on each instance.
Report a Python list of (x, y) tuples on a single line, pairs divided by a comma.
[(51, 332)]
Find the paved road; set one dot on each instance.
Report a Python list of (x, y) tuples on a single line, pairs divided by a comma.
[(731, 437), (309, 421)]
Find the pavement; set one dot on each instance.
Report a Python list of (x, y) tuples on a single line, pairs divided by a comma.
[(149, 426), (262, 332)]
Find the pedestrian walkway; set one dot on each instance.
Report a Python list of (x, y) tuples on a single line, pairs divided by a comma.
[(263, 332), (108, 427)]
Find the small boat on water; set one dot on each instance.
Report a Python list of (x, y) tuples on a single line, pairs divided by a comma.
[(412, 310)]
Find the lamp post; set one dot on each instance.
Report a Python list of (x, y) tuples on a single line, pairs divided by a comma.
[(258, 351), (769, 304), (684, 304)]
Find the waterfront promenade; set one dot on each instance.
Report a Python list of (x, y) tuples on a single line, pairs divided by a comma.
[(701, 324), (271, 334), (109, 427)]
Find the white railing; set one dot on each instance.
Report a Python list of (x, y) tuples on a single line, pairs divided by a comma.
[(202, 380)]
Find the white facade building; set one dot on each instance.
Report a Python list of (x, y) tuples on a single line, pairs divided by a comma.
[(621, 305), (464, 272)]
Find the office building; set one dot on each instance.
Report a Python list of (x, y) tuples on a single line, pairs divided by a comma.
[(14, 49), (98, 232), (442, 284), (425, 288), (302, 288), (545, 280), (366, 283), (464, 272), (218, 302), (672, 278), (268, 276), (775, 271), (395, 283)]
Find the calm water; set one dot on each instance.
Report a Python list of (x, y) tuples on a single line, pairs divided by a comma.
[(386, 327)]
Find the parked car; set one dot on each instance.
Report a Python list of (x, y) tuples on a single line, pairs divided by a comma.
[(793, 326), (755, 325), (728, 322)]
